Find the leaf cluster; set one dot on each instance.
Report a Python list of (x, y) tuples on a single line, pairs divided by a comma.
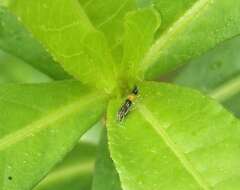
[(79, 60)]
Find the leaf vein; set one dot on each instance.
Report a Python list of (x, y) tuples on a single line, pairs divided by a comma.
[(111, 17), (153, 53), (66, 172), (44, 122), (149, 117), (226, 90)]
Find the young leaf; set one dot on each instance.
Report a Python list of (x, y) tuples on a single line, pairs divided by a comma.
[(200, 27), (140, 27), (110, 19), (63, 27), (15, 40), (75, 171), (105, 176), (175, 138), (39, 124), (216, 73)]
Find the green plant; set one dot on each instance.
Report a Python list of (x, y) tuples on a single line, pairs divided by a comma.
[(173, 138)]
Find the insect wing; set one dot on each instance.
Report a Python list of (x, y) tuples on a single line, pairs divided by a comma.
[(123, 111)]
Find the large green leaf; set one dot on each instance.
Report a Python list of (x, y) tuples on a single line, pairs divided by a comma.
[(195, 27), (63, 27), (105, 175), (75, 171), (17, 41), (140, 27), (216, 73), (39, 124), (175, 138)]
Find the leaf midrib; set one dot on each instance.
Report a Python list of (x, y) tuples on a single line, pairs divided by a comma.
[(154, 123), (226, 90), (153, 54), (28, 63), (68, 171), (44, 122)]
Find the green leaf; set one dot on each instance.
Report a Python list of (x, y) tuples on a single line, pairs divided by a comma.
[(13, 70), (63, 27), (203, 25), (110, 19), (39, 125), (216, 73), (93, 135), (175, 138), (17, 41), (140, 27), (233, 104), (171, 12), (105, 176), (75, 171)]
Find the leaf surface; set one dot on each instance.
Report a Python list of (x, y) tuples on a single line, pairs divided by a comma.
[(175, 138), (171, 11), (105, 175), (140, 27), (17, 41), (110, 19), (197, 27), (75, 171), (216, 73), (39, 125), (67, 33), (14, 70)]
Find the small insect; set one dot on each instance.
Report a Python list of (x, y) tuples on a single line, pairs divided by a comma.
[(125, 108)]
